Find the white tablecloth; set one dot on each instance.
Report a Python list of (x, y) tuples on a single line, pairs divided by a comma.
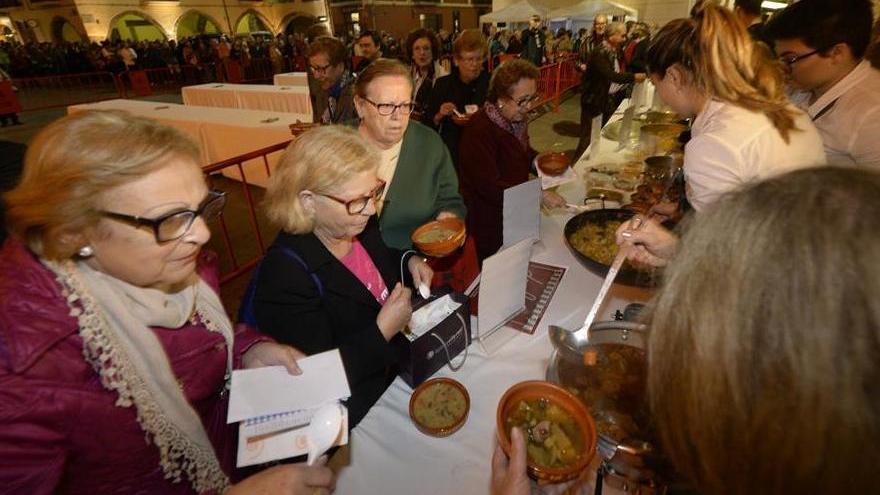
[(289, 99), (221, 133), (388, 455), (292, 79)]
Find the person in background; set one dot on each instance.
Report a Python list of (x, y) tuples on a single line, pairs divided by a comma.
[(115, 350), (496, 154), (11, 106), (328, 281), (333, 102), (533, 42), (514, 44), (592, 41), (370, 46), (420, 179), (744, 127), (634, 53), (603, 83), (749, 13), (822, 44), (423, 53), (464, 88)]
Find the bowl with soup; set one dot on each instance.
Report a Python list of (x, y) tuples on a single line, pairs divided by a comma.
[(439, 407), (559, 432), (552, 163), (439, 238)]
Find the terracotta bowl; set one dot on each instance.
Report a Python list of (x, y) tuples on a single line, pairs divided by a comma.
[(445, 430), (463, 120), (553, 163), (536, 389), (445, 246)]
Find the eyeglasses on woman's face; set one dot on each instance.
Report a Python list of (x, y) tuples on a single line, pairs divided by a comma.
[(176, 224), (527, 100), (357, 205), (386, 109)]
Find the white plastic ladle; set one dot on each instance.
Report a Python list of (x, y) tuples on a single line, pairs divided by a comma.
[(323, 430)]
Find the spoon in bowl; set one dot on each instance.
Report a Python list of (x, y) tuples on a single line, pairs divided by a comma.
[(323, 430)]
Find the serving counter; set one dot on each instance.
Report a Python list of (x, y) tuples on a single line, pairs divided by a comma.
[(388, 455)]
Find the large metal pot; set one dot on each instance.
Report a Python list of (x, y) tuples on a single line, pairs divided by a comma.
[(627, 275), (608, 374)]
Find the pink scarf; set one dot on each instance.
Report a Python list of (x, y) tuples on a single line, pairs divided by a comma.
[(520, 130)]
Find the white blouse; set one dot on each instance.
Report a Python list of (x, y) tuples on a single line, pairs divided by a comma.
[(731, 146)]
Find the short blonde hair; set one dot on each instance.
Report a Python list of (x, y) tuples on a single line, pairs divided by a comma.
[(382, 67), (468, 41), (318, 160), (75, 160)]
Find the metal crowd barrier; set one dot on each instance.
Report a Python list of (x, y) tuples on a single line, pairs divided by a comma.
[(250, 245)]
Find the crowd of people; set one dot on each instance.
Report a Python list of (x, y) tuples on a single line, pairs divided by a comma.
[(109, 313)]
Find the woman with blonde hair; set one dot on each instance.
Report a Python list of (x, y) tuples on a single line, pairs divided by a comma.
[(328, 281), (111, 329), (744, 127)]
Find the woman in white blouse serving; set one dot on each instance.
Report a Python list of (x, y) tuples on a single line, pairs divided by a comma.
[(744, 128)]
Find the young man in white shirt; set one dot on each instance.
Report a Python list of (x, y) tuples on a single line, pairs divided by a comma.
[(822, 43)]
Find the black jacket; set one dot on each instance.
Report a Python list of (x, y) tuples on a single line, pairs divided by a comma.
[(289, 306), (596, 81), (450, 88)]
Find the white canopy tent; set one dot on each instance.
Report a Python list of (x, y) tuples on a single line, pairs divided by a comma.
[(588, 9), (517, 12)]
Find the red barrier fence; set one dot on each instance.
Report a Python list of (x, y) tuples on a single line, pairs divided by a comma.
[(238, 260), (37, 93)]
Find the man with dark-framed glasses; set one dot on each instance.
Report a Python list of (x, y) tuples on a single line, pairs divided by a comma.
[(822, 45)]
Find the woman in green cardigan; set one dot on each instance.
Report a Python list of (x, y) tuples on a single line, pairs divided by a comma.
[(415, 164)]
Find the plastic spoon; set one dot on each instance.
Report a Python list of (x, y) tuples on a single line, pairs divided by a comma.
[(323, 430)]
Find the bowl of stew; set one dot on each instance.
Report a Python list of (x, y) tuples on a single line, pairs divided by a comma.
[(560, 434), (439, 238), (439, 407)]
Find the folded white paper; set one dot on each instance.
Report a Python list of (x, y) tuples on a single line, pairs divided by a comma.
[(503, 286), (272, 390), (521, 213)]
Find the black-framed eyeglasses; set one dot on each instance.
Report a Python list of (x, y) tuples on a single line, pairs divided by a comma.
[(792, 59), (174, 225), (527, 100), (386, 109), (320, 69), (357, 205)]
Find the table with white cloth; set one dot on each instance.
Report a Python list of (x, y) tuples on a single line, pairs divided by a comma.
[(222, 133), (291, 79), (388, 455), (292, 99)]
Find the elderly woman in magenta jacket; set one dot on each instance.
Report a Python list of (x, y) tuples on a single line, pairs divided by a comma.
[(495, 152), (114, 345)]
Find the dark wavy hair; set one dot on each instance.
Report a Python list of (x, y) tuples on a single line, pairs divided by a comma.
[(417, 34)]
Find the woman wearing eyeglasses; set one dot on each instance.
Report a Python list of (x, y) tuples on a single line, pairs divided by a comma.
[(111, 329), (495, 153), (328, 281), (421, 184), (744, 127)]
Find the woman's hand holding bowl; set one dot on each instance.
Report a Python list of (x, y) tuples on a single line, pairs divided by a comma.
[(509, 476), (396, 312), (272, 354)]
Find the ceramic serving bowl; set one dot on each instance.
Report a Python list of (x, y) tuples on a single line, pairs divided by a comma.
[(424, 237), (552, 162), (535, 389), (425, 399)]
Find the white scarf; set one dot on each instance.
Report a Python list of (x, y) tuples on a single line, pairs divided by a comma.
[(114, 319)]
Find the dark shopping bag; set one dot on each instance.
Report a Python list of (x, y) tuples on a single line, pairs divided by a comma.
[(424, 356)]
